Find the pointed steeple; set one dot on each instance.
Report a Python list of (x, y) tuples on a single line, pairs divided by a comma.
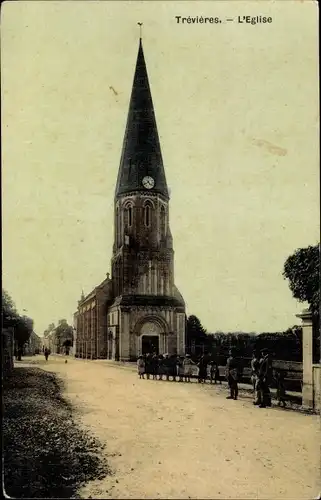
[(141, 154)]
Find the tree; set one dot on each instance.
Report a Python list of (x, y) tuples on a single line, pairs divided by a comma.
[(302, 270), (64, 335), (9, 311), (22, 325), (195, 333), (23, 330)]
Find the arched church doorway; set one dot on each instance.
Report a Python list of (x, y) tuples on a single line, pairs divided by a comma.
[(150, 344), (152, 333)]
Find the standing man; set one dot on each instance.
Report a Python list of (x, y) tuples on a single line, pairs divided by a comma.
[(255, 364), (264, 381), (232, 376)]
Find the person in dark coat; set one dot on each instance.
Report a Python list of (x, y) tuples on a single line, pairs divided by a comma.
[(202, 370), (148, 365), (255, 364), (264, 379), (232, 375), (161, 369), (167, 366), (280, 387), (154, 366), (46, 353), (173, 367)]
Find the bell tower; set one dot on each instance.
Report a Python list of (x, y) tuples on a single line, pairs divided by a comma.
[(145, 296)]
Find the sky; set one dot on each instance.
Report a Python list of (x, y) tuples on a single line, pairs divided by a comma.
[(237, 113)]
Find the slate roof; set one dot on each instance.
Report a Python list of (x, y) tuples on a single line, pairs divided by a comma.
[(141, 154)]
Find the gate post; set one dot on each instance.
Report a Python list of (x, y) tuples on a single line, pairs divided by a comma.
[(307, 358)]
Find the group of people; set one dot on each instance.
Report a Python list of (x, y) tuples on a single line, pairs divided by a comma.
[(178, 368), (181, 368), (261, 376)]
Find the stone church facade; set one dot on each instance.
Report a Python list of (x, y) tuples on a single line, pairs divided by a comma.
[(138, 309)]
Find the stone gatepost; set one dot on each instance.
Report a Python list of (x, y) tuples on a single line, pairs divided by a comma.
[(307, 358)]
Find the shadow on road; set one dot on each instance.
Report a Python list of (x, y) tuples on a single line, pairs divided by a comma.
[(46, 455)]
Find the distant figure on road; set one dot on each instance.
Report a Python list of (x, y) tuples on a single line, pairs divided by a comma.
[(232, 376), (264, 379), (141, 366), (255, 365), (188, 367), (46, 353)]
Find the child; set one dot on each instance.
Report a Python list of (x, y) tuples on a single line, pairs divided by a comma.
[(188, 368), (141, 366), (280, 387), (214, 373)]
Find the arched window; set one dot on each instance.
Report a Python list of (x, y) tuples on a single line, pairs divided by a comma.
[(163, 222), (128, 215), (147, 215)]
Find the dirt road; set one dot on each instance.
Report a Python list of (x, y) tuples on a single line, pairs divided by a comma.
[(177, 440)]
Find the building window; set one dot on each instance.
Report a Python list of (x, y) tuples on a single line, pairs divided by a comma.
[(128, 216), (163, 222), (147, 215)]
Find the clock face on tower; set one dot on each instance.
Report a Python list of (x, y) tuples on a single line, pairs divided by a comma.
[(148, 182)]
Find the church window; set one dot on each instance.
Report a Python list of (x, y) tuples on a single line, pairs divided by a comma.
[(128, 216), (163, 222), (147, 216)]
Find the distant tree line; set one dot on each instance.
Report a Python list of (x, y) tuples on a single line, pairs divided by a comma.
[(282, 345), (21, 325)]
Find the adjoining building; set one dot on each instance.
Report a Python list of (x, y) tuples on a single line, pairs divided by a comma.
[(34, 345), (57, 337), (138, 309)]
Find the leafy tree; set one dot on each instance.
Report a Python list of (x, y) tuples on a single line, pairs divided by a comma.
[(23, 330), (9, 311), (22, 325), (302, 270), (64, 335), (196, 335)]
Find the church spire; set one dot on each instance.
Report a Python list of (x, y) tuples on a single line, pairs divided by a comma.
[(141, 154)]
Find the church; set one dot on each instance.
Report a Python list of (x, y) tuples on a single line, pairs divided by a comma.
[(138, 309)]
